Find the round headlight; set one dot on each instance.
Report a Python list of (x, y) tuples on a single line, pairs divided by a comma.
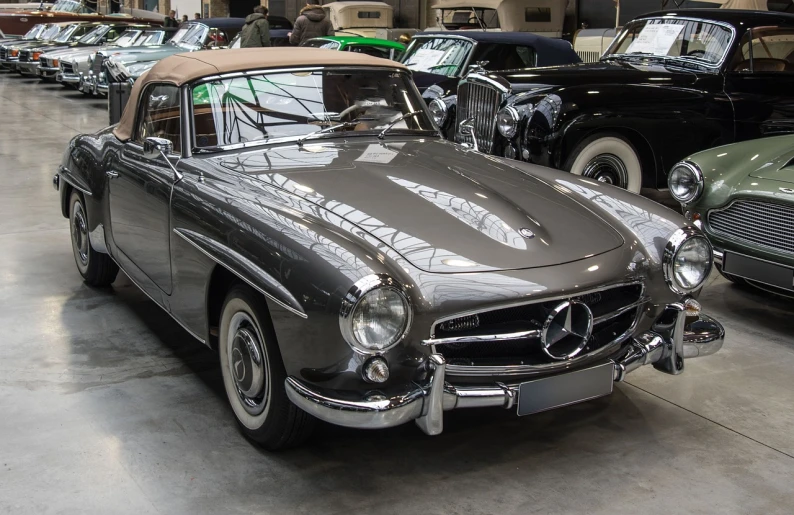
[(687, 260), (438, 110), (685, 182), (507, 122), (375, 314)]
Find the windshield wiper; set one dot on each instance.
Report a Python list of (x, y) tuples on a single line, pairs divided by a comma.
[(398, 120), (332, 128)]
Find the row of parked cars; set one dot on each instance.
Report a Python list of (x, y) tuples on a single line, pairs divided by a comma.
[(303, 213)]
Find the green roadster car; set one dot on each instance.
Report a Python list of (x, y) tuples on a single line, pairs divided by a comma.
[(742, 196), (371, 46)]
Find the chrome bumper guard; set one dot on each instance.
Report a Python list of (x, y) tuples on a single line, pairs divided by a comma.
[(70, 78), (674, 338)]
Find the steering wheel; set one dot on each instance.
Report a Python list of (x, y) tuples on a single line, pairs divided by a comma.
[(348, 111), (697, 53)]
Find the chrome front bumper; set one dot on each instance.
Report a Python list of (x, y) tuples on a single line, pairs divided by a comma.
[(669, 342), (69, 78), (28, 67)]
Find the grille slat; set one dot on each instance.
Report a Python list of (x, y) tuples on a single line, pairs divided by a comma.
[(762, 223), (97, 65), (480, 102), (617, 309), (3, 54)]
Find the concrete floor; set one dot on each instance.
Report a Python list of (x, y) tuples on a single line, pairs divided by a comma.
[(109, 407)]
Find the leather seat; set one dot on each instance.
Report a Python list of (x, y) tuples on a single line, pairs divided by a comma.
[(765, 64)]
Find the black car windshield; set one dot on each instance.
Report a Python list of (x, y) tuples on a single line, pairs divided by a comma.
[(95, 35), (671, 38), (262, 108), (66, 34), (444, 56)]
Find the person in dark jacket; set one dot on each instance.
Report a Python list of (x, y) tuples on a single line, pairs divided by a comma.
[(170, 20), (256, 31), (312, 23)]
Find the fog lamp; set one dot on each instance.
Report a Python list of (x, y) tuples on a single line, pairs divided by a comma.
[(376, 370), (692, 307)]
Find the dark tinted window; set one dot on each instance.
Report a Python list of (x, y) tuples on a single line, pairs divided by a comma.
[(383, 53), (369, 14), (505, 57), (536, 14), (159, 115)]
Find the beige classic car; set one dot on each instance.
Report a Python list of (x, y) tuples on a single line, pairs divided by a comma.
[(365, 19), (543, 17)]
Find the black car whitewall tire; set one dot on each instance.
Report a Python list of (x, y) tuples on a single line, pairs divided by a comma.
[(97, 269), (254, 375), (607, 158)]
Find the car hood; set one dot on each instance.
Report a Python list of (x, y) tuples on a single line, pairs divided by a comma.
[(145, 53), (443, 209), (588, 74), (778, 168)]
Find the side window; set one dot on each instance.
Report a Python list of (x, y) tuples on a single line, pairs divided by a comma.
[(159, 115), (506, 57), (370, 50), (765, 50), (217, 39)]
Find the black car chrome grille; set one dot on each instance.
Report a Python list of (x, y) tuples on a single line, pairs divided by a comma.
[(479, 102), (615, 311), (753, 221)]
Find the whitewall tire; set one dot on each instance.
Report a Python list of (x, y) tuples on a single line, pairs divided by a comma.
[(607, 158)]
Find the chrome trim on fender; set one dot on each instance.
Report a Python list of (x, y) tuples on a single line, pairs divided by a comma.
[(719, 256), (208, 246), (68, 177)]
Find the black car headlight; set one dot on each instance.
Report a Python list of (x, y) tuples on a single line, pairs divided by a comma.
[(438, 110), (375, 315), (685, 182), (507, 122), (687, 260)]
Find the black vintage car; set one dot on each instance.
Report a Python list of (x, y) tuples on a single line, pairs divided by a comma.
[(672, 83), (301, 214)]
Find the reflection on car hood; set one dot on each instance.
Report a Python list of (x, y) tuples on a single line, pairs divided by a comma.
[(440, 207), (615, 72)]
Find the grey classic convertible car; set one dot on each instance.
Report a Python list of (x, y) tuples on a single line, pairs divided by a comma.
[(302, 215)]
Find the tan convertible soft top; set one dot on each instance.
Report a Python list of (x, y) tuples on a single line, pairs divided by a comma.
[(183, 68)]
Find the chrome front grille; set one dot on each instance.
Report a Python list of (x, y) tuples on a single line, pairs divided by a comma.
[(66, 68), (589, 56), (43, 62), (96, 66), (506, 341), (24, 56), (3, 53), (479, 102), (757, 222)]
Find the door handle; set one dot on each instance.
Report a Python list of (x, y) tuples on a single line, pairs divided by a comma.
[(111, 174)]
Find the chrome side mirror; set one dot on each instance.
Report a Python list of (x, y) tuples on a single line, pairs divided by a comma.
[(466, 128), (160, 147)]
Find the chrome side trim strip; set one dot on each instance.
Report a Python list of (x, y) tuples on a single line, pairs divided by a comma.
[(520, 335), (208, 247), (69, 177), (617, 313)]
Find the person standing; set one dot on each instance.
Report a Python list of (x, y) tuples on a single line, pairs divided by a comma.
[(311, 23), (197, 16), (256, 31), (184, 18), (170, 20)]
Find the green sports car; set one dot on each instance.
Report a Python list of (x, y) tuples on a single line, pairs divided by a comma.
[(742, 196), (371, 46)]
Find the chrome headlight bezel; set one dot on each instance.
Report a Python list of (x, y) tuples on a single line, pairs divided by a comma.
[(438, 110), (508, 127), (352, 301), (696, 177), (677, 241)]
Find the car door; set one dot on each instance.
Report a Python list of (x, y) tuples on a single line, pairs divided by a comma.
[(140, 190), (760, 83)]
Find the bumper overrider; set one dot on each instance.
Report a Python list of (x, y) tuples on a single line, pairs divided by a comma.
[(675, 337)]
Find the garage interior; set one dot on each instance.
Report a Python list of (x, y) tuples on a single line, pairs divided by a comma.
[(111, 407)]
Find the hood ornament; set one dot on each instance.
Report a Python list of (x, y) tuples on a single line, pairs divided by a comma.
[(526, 233), (787, 191)]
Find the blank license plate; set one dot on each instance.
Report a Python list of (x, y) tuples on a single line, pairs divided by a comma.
[(757, 270), (564, 389)]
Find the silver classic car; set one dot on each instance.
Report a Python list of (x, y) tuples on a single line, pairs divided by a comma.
[(302, 215)]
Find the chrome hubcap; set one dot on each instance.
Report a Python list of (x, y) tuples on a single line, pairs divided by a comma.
[(607, 168), (80, 234), (247, 363)]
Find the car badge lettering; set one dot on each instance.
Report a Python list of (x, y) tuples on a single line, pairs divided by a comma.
[(787, 191), (567, 330), (526, 233)]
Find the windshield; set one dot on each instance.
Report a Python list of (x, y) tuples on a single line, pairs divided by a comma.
[(669, 38), (66, 34), (127, 38), (34, 32), (50, 32), (444, 56), (150, 37), (265, 107), (471, 18), (70, 6), (194, 35), (94, 35), (322, 43)]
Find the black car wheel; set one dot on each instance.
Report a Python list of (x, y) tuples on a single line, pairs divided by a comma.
[(607, 158), (97, 269), (254, 375)]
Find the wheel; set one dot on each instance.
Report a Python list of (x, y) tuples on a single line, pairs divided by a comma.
[(253, 373), (97, 269), (608, 158)]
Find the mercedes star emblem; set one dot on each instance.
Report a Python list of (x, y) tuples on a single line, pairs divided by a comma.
[(238, 365), (526, 233), (567, 330)]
